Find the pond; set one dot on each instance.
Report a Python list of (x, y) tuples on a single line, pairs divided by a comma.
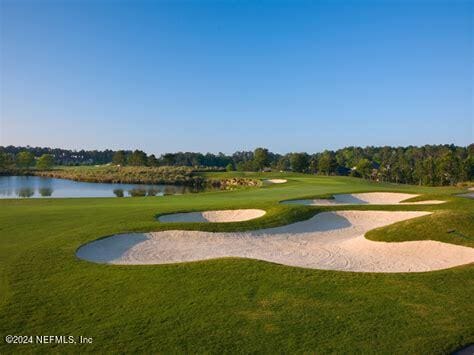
[(41, 187)]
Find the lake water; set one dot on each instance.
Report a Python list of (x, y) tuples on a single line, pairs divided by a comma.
[(43, 187)]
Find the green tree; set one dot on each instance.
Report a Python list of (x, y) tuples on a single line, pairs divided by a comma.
[(3, 160), (327, 163), (261, 158), (449, 168), (44, 162), (152, 161), (313, 164), (229, 167), (283, 163), (364, 168), (299, 162), (25, 159), (137, 158), (119, 158), (169, 159), (468, 168), (248, 165)]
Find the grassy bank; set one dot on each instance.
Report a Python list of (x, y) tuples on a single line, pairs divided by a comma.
[(227, 305), (168, 175), (126, 175)]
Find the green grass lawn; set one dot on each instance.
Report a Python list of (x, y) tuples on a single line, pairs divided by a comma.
[(228, 305)]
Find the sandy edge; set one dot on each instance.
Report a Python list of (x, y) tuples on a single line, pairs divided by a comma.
[(221, 216), (367, 198), (275, 181)]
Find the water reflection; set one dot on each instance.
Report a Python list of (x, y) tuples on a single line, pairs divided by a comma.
[(38, 187), (137, 192), (153, 191), (45, 191), (25, 192), (169, 190), (118, 192)]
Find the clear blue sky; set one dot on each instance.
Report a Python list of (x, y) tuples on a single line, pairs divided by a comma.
[(234, 75)]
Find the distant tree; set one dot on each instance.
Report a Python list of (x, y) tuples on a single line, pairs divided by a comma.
[(402, 169), (137, 158), (468, 168), (327, 163), (419, 172), (364, 168), (25, 159), (299, 162), (168, 159), (44, 162), (261, 158), (3, 160), (7, 160), (430, 175), (449, 168), (425, 165), (152, 161), (119, 158), (283, 163), (229, 167), (313, 164), (239, 156), (246, 166)]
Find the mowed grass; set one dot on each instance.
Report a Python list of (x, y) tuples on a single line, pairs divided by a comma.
[(227, 305)]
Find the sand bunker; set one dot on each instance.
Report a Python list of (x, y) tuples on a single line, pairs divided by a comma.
[(275, 181), (330, 240), (469, 194), (213, 216), (369, 198)]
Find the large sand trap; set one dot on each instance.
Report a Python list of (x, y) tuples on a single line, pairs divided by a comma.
[(213, 216), (329, 240), (275, 181), (369, 198)]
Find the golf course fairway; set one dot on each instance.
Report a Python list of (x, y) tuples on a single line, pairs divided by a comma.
[(230, 304)]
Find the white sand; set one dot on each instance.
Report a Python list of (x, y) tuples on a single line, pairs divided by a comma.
[(469, 194), (275, 181), (213, 216), (330, 240), (369, 198)]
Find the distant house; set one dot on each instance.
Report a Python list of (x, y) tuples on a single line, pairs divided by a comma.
[(343, 171)]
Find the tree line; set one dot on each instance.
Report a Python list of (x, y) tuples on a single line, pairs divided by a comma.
[(25, 159), (425, 165), (64, 156)]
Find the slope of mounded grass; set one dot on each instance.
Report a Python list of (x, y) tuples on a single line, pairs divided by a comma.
[(451, 223), (226, 305)]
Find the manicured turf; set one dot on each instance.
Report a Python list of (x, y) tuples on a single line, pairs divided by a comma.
[(227, 305)]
